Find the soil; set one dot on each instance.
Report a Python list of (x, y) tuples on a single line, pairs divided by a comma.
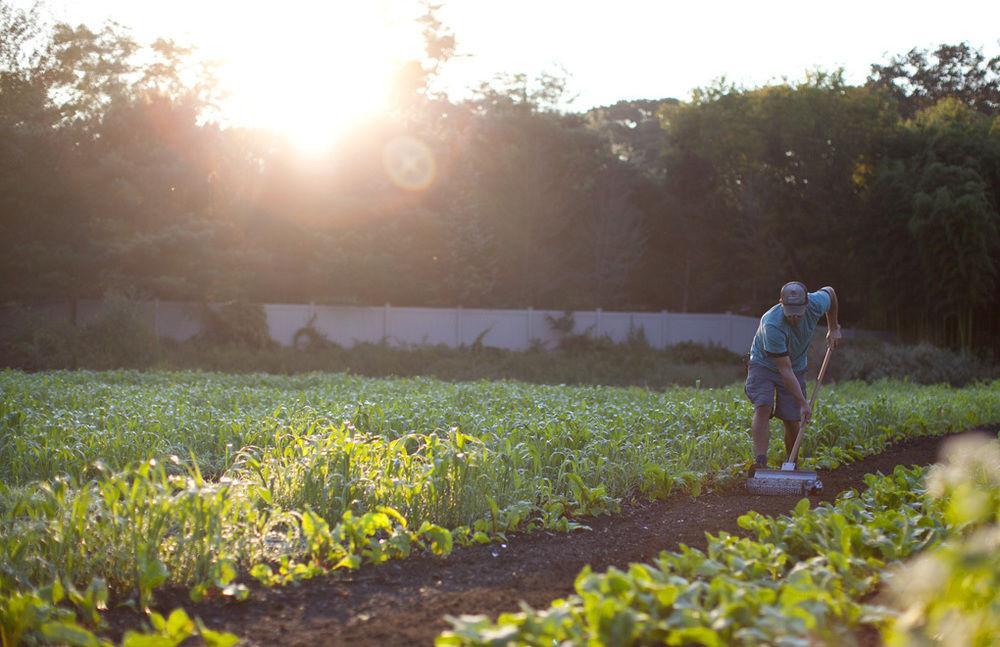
[(405, 602)]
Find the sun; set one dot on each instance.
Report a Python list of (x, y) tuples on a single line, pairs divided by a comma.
[(313, 74)]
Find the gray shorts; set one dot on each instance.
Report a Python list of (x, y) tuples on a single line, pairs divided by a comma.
[(765, 386)]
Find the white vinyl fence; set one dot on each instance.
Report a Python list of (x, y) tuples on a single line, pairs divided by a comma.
[(511, 329)]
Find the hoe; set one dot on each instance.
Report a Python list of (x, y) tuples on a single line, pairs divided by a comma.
[(788, 480)]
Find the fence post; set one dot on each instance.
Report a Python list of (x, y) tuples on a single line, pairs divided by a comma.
[(528, 327), (458, 327), (385, 323)]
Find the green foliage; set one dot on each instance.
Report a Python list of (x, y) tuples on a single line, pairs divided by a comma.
[(799, 579), (236, 323), (36, 342), (644, 203), (872, 360), (690, 352), (919, 78), (290, 477), (121, 336), (311, 340), (953, 590), (936, 196), (595, 362)]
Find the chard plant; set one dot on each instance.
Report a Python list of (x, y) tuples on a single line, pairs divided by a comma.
[(800, 579)]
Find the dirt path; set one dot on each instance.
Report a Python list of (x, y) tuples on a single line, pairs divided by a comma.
[(404, 602)]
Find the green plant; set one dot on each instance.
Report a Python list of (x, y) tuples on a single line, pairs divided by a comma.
[(35, 342), (309, 339), (236, 323), (691, 352), (870, 360), (562, 325), (953, 591), (796, 579), (286, 477), (121, 336)]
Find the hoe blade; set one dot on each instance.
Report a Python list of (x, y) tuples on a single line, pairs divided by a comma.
[(784, 482)]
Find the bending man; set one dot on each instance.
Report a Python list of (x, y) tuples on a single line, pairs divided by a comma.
[(776, 384)]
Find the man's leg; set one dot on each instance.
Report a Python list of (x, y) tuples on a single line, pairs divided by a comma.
[(760, 429), (791, 431)]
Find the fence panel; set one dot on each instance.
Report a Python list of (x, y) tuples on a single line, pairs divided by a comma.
[(422, 326), (510, 329), (349, 326), (499, 328), (283, 320)]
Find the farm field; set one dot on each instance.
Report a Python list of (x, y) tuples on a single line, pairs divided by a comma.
[(167, 488)]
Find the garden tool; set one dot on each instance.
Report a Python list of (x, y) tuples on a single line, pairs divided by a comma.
[(788, 480)]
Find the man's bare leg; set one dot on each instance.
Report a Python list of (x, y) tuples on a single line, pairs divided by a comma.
[(760, 429), (791, 431)]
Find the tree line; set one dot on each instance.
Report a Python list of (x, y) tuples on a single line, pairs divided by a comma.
[(115, 176)]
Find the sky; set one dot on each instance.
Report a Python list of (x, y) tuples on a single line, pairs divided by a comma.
[(283, 61)]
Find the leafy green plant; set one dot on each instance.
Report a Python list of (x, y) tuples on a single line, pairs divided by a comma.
[(953, 591), (289, 477), (796, 580), (235, 323), (309, 339), (122, 336), (871, 360)]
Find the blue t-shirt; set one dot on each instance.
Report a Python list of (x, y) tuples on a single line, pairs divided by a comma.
[(776, 336)]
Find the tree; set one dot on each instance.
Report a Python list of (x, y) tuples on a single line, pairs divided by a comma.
[(767, 180), (954, 221), (919, 79), (634, 131)]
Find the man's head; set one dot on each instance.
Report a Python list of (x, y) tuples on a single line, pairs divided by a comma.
[(794, 299)]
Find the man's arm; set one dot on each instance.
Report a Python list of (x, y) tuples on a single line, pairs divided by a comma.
[(834, 335), (784, 365)]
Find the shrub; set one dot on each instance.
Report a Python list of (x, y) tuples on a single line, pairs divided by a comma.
[(870, 360), (236, 323), (120, 337), (35, 342), (308, 339), (690, 352)]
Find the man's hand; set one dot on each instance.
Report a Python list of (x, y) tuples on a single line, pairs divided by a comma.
[(834, 336), (805, 412)]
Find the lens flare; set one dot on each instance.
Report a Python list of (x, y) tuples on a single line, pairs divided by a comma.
[(409, 163)]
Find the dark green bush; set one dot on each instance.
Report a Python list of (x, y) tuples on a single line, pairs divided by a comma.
[(309, 339), (236, 323), (35, 342), (870, 360), (690, 352), (121, 337)]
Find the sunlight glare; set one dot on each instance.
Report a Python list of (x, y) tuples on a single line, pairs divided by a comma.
[(316, 76)]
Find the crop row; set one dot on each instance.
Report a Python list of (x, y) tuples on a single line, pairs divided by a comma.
[(130, 481), (799, 579)]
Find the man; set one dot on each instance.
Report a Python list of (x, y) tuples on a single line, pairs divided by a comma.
[(776, 384)]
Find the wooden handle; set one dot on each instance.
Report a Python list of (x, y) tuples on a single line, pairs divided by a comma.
[(794, 454)]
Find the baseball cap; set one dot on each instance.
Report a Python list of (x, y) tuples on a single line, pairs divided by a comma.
[(794, 299)]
